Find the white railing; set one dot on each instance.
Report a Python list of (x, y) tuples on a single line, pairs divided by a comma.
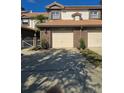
[(26, 43), (29, 43)]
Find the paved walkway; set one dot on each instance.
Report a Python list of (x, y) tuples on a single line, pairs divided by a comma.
[(58, 69)]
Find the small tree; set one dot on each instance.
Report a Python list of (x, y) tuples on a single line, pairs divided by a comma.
[(41, 18), (82, 44), (22, 9)]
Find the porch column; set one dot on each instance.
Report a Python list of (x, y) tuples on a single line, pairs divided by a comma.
[(35, 40)]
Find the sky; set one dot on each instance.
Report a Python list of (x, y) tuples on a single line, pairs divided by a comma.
[(39, 5)]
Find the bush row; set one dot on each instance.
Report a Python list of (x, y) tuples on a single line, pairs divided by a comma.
[(92, 57)]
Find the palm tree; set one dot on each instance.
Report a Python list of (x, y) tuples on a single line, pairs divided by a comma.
[(39, 19), (22, 9)]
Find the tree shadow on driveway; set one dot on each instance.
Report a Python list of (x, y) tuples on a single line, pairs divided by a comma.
[(60, 67)]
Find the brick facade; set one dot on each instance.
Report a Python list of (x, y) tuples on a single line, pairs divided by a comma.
[(46, 34), (79, 34)]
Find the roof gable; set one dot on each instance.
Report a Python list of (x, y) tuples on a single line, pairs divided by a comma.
[(55, 5)]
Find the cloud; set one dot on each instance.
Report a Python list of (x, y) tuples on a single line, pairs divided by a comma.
[(31, 1)]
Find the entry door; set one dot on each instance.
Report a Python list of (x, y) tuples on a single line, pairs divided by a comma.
[(62, 39)]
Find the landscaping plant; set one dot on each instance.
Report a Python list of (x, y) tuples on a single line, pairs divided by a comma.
[(92, 57), (41, 18), (44, 44), (82, 44)]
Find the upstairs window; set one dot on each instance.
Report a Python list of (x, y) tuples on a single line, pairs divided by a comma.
[(25, 21), (94, 14), (55, 15)]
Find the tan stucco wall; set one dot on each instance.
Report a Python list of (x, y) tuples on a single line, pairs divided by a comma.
[(32, 23), (67, 15)]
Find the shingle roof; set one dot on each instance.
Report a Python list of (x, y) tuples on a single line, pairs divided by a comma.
[(33, 14), (70, 23)]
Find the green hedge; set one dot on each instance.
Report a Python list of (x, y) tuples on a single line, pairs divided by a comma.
[(92, 57)]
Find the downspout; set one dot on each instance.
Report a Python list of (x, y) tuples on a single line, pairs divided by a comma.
[(81, 31)]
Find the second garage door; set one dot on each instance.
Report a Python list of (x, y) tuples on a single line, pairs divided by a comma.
[(62, 39), (94, 39)]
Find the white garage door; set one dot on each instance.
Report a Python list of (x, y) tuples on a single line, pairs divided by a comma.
[(94, 39), (62, 39)]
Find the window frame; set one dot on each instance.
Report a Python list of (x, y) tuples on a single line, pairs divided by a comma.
[(94, 15), (25, 23), (55, 16)]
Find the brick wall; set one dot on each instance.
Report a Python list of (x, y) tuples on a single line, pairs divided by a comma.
[(46, 34), (77, 35)]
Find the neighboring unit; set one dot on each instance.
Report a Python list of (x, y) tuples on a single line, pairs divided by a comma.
[(28, 28)]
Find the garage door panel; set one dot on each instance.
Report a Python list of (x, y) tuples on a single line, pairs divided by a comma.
[(94, 39), (62, 39)]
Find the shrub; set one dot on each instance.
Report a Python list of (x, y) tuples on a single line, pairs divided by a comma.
[(84, 52), (41, 18), (82, 44), (92, 57), (44, 44)]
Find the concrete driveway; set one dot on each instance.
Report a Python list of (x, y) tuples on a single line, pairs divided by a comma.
[(58, 69)]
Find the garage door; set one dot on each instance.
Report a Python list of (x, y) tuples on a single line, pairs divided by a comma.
[(94, 39), (62, 39)]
